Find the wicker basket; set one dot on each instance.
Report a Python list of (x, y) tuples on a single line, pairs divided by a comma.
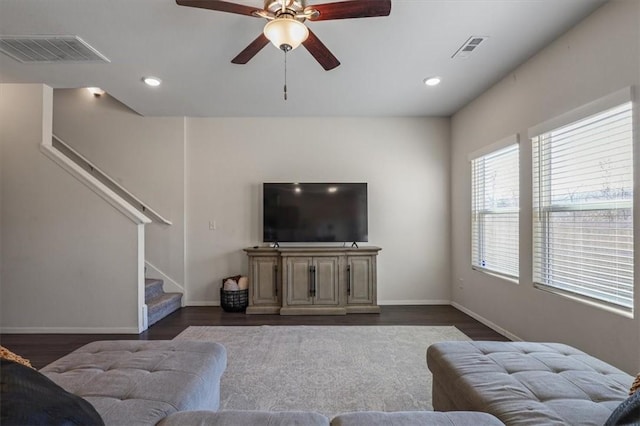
[(233, 300)]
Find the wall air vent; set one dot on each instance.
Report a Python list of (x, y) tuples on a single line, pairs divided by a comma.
[(469, 46), (49, 49)]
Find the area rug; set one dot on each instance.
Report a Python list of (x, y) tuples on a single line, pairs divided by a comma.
[(327, 369)]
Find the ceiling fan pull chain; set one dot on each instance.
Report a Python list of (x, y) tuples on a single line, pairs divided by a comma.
[(285, 75)]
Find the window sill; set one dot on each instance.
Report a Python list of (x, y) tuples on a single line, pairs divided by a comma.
[(628, 313), (498, 275)]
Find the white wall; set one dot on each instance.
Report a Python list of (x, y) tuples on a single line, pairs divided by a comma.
[(144, 154), (597, 57), (405, 162), (58, 274)]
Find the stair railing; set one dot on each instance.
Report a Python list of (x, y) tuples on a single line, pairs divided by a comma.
[(87, 165)]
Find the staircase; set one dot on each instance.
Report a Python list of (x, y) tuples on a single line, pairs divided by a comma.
[(159, 303)]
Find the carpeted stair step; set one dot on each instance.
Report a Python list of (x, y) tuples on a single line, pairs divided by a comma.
[(163, 305), (152, 289), (159, 304)]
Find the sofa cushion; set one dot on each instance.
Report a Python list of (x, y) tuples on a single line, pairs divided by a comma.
[(30, 398), (523, 382), (141, 382), (245, 418), (413, 418)]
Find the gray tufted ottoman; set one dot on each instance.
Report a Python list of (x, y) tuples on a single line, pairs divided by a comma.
[(525, 383), (141, 382)]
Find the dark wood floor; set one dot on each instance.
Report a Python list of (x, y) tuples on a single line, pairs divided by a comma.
[(41, 349)]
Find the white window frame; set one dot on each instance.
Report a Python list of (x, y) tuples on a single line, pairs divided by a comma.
[(596, 107), (478, 216)]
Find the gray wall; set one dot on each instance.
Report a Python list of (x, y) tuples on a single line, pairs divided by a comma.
[(597, 57), (68, 258), (403, 160)]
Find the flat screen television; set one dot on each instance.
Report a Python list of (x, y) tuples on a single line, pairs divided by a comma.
[(315, 212)]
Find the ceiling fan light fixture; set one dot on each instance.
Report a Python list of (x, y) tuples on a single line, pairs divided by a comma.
[(286, 33)]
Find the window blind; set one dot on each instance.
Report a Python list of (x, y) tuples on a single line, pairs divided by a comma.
[(495, 211), (583, 213)]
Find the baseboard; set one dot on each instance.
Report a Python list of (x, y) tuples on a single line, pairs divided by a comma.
[(145, 317), (380, 302), (69, 330), (495, 327), (201, 303), (414, 302)]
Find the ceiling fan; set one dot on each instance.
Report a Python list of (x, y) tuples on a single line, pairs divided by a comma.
[(286, 28)]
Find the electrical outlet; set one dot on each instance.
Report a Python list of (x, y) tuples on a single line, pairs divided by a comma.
[(460, 284), (212, 225)]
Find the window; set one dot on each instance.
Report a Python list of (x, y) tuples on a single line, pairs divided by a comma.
[(495, 210), (582, 202)]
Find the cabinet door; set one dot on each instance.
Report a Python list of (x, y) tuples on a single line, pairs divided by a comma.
[(298, 280), (359, 280), (326, 280), (264, 281)]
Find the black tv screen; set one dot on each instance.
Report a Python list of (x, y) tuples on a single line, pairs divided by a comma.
[(315, 212)]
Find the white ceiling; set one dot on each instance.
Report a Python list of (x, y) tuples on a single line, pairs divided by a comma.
[(384, 60)]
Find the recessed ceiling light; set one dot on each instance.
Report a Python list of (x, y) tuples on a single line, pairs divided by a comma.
[(95, 91), (152, 81), (432, 81)]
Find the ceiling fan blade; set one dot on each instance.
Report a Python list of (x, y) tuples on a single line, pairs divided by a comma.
[(219, 5), (351, 9), (251, 50), (319, 51)]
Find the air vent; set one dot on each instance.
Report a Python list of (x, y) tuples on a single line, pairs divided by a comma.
[(469, 46), (49, 49)]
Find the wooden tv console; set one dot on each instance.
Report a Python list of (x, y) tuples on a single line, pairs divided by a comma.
[(312, 280)]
